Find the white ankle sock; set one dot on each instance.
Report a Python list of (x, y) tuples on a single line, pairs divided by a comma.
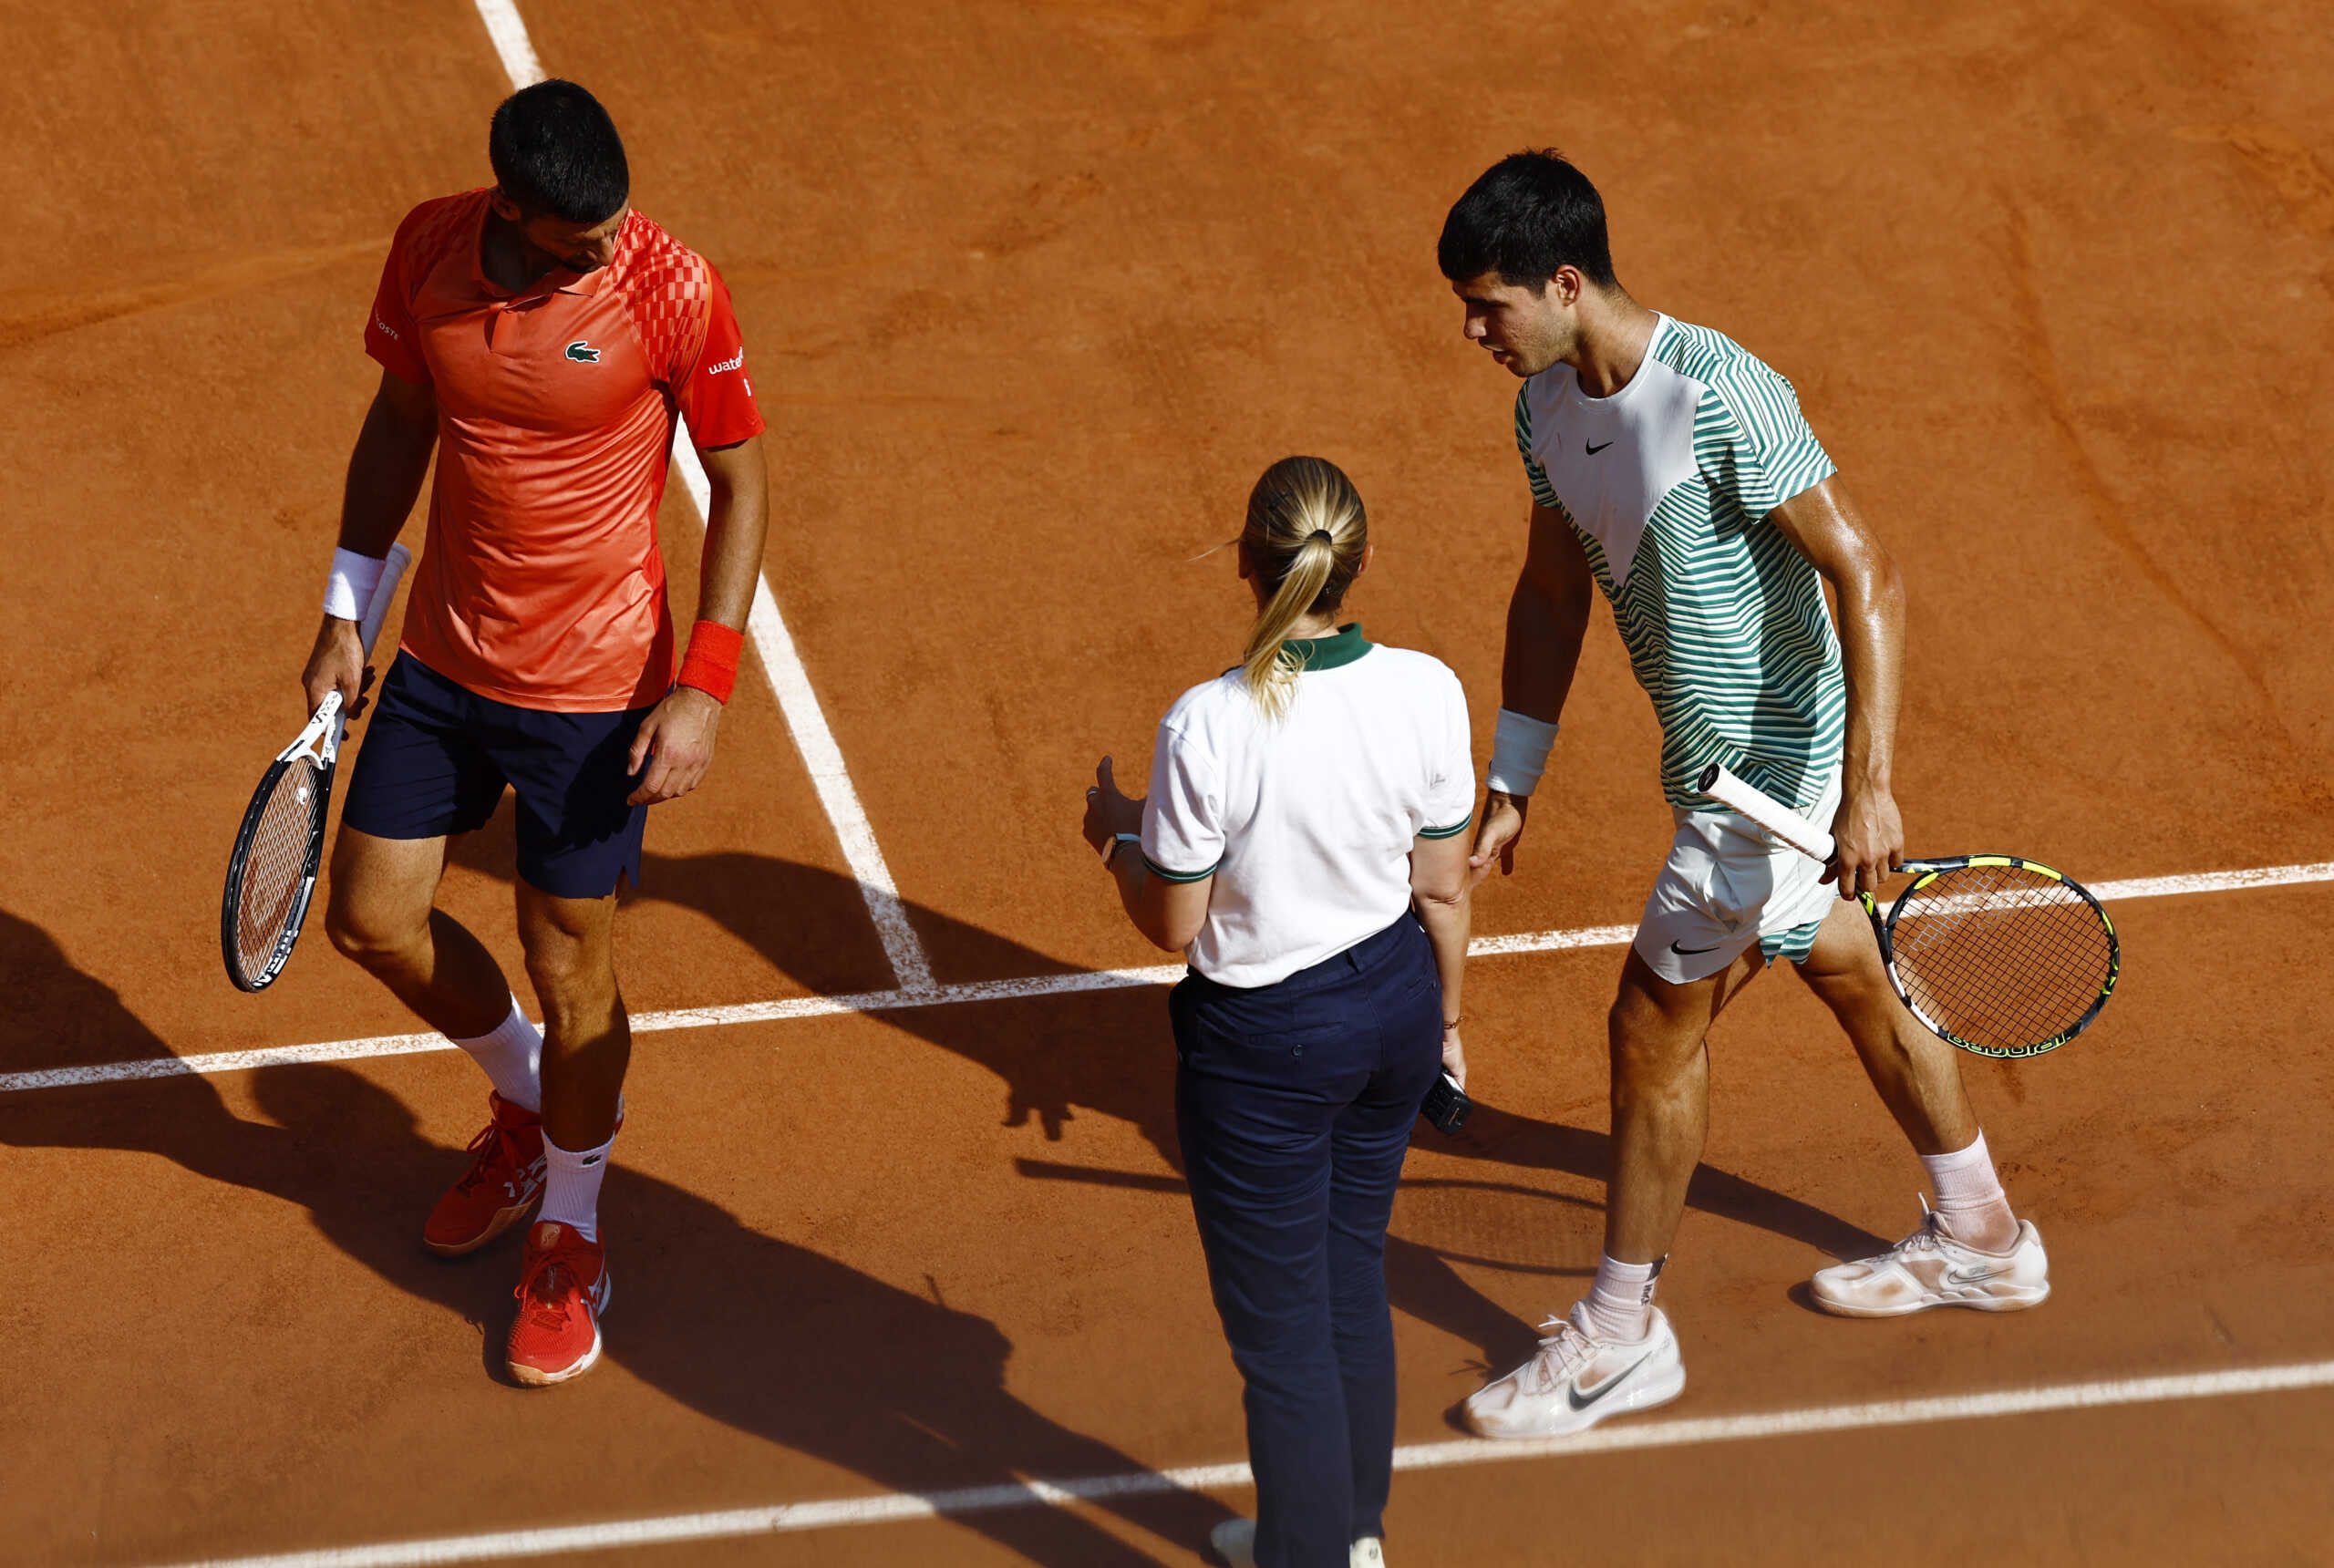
[(571, 1186), (513, 1055), (1969, 1198), (1619, 1304)]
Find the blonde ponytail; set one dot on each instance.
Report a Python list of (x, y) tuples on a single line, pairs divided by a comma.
[(1304, 539)]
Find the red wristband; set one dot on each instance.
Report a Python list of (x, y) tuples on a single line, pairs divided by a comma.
[(712, 662)]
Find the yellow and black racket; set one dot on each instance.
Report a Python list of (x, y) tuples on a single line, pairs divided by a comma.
[(1995, 954), (272, 870)]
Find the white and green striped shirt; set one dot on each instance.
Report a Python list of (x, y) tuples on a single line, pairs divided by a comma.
[(1669, 483)]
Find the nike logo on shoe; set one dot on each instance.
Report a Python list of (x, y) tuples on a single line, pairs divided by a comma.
[(1593, 450), (1582, 1402), (1960, 1276)]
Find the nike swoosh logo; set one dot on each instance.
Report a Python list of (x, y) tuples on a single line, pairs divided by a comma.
[(1689, 952), (1975, 1277), (1593, 450), (1580, 1403)]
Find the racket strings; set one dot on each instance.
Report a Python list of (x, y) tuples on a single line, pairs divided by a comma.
[(2001, 956), (276, 865)]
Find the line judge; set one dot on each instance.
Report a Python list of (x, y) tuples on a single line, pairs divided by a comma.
[(1304, 843)]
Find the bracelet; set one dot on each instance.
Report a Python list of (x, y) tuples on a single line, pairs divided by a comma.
[(711, 666), (1520, 747), (1118, 843), (1450, 1024), (348, 588)]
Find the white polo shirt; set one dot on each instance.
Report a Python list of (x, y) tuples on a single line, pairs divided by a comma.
[(1307, 822)]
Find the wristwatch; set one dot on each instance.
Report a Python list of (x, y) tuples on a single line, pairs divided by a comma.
[(1116, 840)]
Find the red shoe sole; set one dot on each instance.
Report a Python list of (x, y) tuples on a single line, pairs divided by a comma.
[(503, 1219)]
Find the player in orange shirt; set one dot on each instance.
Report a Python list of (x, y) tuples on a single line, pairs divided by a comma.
[(544, 337)]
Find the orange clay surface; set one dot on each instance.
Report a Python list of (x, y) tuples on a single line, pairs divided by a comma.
[(1034, 291)]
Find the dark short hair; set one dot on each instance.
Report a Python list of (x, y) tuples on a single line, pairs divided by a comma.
[(1529, 214), (556, 153)]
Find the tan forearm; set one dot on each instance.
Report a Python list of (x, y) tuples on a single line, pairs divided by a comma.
[(1448, 922), (734, 532), (1872, 650), (385, 475), (1544, 631)]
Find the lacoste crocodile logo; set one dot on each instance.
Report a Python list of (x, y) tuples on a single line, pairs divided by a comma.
[(583, 353)]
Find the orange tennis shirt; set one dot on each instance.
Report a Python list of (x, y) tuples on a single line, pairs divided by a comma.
[(541, 584)]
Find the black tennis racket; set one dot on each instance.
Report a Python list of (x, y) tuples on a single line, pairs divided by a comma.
[(272, 873), (1995, 954)]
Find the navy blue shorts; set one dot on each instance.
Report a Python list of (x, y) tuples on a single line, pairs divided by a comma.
[(436, 758)]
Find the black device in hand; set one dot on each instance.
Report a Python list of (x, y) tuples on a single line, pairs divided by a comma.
[(1447, 1106)]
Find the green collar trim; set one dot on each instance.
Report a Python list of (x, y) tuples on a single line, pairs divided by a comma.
[(1314, 654)]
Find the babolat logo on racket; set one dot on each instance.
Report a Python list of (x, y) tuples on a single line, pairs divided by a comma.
[(583, 353)]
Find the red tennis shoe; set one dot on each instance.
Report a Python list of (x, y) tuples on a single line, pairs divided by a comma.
[(501, 1184), (562, 1290)]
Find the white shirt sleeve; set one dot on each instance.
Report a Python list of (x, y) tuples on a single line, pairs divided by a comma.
[(1451, 783), (1182, 819)]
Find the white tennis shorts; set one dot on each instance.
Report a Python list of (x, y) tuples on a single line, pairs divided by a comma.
[(1728, 883)]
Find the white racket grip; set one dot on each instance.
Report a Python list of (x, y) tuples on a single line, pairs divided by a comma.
[(1767, 812), (392, 568)]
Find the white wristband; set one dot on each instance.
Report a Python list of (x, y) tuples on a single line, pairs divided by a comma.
[(348, 591), (1520, 747)]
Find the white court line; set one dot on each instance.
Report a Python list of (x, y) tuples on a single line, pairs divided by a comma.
[(780, 659), (821, 755), (511, 41), (895, 1507), (986, 991)]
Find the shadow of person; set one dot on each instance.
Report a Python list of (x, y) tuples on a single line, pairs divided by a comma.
[(766, 1336), (1109, 1052)]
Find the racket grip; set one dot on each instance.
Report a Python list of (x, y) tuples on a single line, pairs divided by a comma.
[(1767, 812), (392, 568)]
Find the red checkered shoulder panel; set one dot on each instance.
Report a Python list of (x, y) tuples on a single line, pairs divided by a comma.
[(434, 227), (668, 288)]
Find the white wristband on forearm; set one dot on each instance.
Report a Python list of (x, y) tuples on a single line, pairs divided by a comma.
[(349, 589), (1520, 747)]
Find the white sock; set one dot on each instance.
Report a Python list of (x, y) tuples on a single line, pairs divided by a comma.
[(1969, 1198), (572, 1187), (512, 1054), (1619, 1304)]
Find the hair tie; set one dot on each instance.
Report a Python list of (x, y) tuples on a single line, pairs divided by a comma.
[(1323, 534)]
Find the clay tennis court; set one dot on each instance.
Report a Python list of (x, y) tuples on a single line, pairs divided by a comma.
[(1035, 291)]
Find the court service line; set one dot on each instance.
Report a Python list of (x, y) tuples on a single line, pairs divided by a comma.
[(780, 660), (821, 755), (898, 1507), (938, 996)]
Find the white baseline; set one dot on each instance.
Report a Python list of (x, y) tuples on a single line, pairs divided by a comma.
[(889, 1508), (933, 996), (780, 660)]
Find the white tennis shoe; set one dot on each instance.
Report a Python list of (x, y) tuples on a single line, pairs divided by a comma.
[(1234, 1540), (1929, 1268), (1576, 1379)]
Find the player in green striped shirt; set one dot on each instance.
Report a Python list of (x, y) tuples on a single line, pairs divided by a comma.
[(1672, 470)]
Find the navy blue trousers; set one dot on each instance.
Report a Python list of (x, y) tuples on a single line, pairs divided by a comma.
[(1294, 1104)]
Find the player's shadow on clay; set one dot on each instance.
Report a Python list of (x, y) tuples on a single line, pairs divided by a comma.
[(1110, 1052), (767, 1337)]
